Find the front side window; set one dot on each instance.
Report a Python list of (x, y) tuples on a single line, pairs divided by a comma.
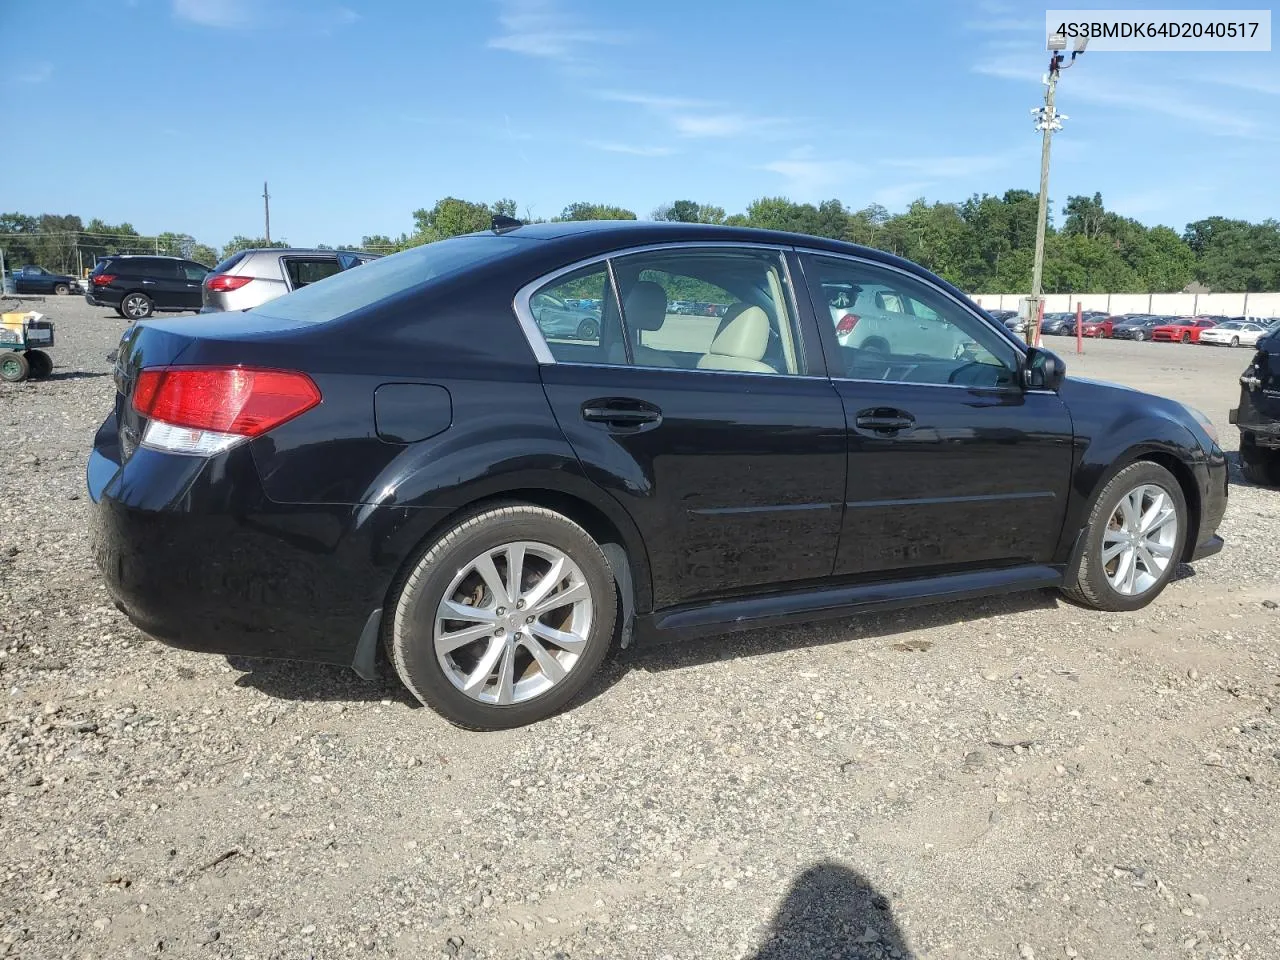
[(896, 327)]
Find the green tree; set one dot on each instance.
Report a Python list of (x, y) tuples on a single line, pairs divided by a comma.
[(594, 211), (203, 253), (239, 242)]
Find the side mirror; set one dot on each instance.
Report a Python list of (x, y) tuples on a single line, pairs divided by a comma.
[(1043, 370)]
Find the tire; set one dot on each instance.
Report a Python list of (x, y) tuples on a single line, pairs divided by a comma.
[(449, 566), (1093, 585), (874, 345), (1260, 466), (40, 363), (14, 367), (61, 289), (588, 330), (1235, 341), (1139, 336), (1186, 338), (136, 306)]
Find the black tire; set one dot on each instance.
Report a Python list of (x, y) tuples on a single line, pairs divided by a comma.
[(136, 306), (61, 289), (1186, 338), (588, 330), (408, 628), (14, 367), (874, 345), (1259, 466), (1235, 341), (41, 364), (1090, 586)]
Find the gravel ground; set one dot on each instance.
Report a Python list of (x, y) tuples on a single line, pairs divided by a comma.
[(1009, 778)]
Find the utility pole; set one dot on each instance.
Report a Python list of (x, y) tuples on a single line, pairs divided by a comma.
[(1048, 121), (266, 209)]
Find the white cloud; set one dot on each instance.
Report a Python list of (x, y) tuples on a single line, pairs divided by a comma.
[(720, 124), (808, 176), (534, 28), (900, 194), (1254, 83), (656, 102), (33, 73), (636, 150), (952, 166), (243, 14)]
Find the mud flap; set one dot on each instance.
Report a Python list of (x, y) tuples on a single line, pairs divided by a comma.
[(621, 569)]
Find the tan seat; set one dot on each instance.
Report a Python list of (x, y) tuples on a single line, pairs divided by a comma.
[(646, 309), (740, 342)]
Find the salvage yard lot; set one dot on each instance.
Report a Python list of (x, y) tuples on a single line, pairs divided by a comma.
[(1003, 778)]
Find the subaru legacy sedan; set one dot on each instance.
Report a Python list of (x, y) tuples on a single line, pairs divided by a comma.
[(395, 466)]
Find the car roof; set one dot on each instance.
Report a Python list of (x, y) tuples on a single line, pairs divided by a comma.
[(296, 250)]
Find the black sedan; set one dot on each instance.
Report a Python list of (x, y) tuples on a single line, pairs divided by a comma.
[(1137, 326), (39, 280), (395, 465)]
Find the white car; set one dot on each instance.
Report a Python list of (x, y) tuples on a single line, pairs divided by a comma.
[(1233, 333), (877, 319)]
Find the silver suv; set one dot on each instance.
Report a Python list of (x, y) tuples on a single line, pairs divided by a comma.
[(252, 277)]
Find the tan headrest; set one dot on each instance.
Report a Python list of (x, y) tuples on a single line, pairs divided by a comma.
[(744, 332), (646, 307)]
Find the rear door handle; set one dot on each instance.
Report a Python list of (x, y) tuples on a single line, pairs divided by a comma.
[(621, 412), (884, 420)]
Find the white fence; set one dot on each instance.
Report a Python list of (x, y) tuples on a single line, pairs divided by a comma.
[(1177, 304)]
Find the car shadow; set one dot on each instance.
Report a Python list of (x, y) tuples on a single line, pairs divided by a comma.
[(299, 680), (833, 911), (74, 375), (864, 628)]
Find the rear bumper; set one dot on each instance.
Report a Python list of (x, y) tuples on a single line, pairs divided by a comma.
[(100, 299), (196, 556)]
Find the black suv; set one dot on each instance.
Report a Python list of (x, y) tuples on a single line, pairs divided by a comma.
[(137, 286), (1258, 415), (407, 458)]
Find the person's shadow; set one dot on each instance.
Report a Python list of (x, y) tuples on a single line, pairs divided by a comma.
[(834, 912)]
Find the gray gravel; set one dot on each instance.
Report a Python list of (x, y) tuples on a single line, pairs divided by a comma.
[(1014, 778)]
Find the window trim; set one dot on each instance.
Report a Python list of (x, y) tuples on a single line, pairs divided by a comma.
[(542, 352), (1000, 329)]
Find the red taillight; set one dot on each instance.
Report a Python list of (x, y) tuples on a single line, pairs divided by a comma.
[(242, 401), (846, 324), (221, 282), (102, 279)]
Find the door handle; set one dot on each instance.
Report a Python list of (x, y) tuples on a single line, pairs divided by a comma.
[(621, 413), (884, 420)]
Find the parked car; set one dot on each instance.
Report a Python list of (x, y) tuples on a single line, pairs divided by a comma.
[(398, 459), (1057, 324), (137, 286), (881, 319), (1182, 329), (1258, 415), (556, 318), (32, 279), (1096, 326), (252, 277), (1136, 326), (1233, 333)]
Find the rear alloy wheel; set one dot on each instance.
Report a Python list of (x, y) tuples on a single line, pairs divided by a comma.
[(504, 619), (588, 330), (61, 289), (41, 364), (1235, 341), (1133, 540), (14, 367), (136, 306)]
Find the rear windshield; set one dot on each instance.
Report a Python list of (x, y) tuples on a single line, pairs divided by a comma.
[(340, 294)]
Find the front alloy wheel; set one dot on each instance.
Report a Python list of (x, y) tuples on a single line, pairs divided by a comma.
[(504, 619), (1133, 540)]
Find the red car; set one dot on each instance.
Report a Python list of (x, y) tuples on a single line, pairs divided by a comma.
[(1098, 327), (1185, 329)]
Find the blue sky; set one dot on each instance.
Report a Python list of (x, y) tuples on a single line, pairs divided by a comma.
[(360, 112)]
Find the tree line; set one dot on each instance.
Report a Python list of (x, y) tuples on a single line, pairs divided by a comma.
[(982, 244)]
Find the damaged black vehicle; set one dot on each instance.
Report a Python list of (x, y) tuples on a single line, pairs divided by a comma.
[(1258, 415)]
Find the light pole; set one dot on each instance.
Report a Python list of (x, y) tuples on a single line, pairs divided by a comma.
[(1047, 122)]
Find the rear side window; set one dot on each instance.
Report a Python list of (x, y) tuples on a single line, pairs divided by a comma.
[(305, 270), (350, 290), (194, 271)]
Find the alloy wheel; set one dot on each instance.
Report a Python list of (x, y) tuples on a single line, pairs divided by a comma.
[(1138, 544), (513, 622), (135, 307)]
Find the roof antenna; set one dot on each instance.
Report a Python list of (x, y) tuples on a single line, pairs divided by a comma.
[(501, 223)]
